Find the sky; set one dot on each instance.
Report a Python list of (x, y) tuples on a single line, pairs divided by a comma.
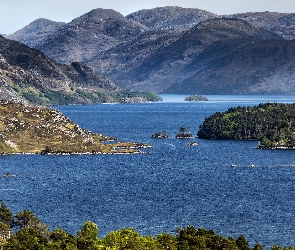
[(16, 14)]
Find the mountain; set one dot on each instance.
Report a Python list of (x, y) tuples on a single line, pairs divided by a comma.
[(282, 24), (36, 31), (28, 75), (130, 55), (264, 67), (170, 18), (181, 50), (192, 52), (88, 35)]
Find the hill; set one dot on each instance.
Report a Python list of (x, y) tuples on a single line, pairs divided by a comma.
[(170, 18), (261, 67), (282, 24), (28, 75), (88, 35), (28, 129), (36, 31), (204, 45), (271, 123)]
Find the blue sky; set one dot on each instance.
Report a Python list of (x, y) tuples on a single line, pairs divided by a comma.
[(15, 14)]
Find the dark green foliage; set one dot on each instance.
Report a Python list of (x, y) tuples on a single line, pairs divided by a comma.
[(31, 238), (26, 219), (242, 243), (273, 124), (195, 98), (258, 246), (31, 234), (5, 231), (281, 248), (94, 96), (6, 215), (167, 241), (59, 98), (148, 96), (201, 239), (32, 97), (88, 237)]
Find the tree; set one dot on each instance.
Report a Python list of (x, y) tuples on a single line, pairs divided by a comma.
[(26, 219), (5, 233), (167, 241), (60, 239), (31, 238), (242, 243), (6, 215), (258, 246), (88, 237), (128, 238)]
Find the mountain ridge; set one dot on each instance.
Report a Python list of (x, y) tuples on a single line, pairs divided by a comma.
[(157, 50)]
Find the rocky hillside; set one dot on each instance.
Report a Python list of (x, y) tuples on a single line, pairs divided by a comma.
[(170, 18), (130, 55), (264, 67), (194, 51), (184, 51), (36, 31), (88, 35), (27, 129), (282, 24), (28, 75)]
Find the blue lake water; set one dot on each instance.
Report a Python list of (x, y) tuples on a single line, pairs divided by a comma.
[(171, 186)]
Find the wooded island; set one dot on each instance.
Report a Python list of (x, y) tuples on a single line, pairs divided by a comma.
[(272, 124)]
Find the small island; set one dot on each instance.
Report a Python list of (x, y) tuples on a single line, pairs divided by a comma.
[(184, 133), (195, 98), (39, 130), (192, 144), (272, 124), (160, 135)]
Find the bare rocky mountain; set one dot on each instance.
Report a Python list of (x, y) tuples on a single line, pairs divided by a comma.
[(190, 53), (130, 55), (88, 35), (171, 18), (179, 50), (36, 31), (282, 24), (260, 67)]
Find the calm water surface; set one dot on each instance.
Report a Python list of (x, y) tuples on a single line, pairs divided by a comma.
[(173, 185)]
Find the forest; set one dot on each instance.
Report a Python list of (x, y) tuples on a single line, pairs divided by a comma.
[(272, 124), (24, 231)]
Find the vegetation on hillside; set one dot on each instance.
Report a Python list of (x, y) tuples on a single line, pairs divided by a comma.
[(25, 231), (27, 129), (273, 124)]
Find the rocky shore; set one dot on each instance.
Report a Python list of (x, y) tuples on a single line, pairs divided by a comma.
[(39, 130)]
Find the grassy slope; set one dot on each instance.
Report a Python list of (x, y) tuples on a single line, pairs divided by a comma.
[(26, 129)]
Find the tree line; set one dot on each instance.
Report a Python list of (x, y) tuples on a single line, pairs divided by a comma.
[(24, 231), (273, 124)]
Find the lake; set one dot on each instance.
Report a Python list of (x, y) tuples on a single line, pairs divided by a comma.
[(171, 185)]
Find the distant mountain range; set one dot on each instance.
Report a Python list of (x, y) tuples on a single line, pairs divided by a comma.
[(176, 50)]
